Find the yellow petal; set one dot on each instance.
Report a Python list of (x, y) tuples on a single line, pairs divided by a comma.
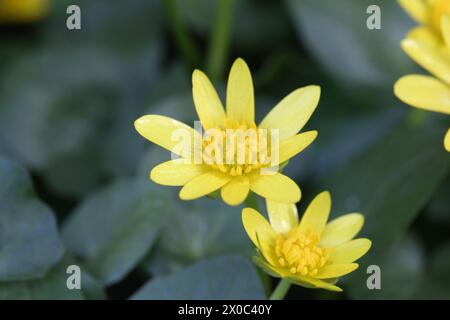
[(207, 103), (424, 92), (445, 27), (447, 141), (203, 185), (312, 283), (425, 35), (283, 216), (258, 229), (276, 187), (435, 61), (417, 9), (291, 114), (336, 270), (316, 215), (294, 145), (240, 95), (176, 173), (168, 133), (235, 191), (341, 230), (350, 251)]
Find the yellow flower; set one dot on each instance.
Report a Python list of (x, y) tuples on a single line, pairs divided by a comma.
[(234, 178), (427, 12), (310, 253), (428, 92), (20, 11)]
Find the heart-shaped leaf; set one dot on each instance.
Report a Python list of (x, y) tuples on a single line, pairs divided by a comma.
[(114, 228), (226, 277), (29, 239)]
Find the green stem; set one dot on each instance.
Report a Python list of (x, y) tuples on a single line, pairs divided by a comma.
[(220, 39), (280, 291), (182, 38)]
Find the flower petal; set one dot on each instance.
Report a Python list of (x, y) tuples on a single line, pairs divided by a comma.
[(341, 229), (203, 185), (424, 92), (350, 251), (291, 114), (240, 95), (447, 141), (425, 35), (283, 216), (445, 27), (417, 9), (258, 228), (276, 187), (336, 270), (316, 215), (168, 133), (176, 173), (312, 283), (207, 103), (435, 61), (294, 145), (235, 191)]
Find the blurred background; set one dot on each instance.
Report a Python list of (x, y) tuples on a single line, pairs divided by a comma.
[(74, 185)]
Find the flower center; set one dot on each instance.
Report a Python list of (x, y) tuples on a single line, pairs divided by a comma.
[(237, 149), (299, 253), (440, 8)]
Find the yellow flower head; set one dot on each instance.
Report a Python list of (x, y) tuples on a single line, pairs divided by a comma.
[(20, 11), (428, 50), (427, 12), (213, 161), (310, 253)]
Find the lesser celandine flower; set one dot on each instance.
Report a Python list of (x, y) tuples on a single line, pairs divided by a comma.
[(432, 52), (310, 253), (274, 141), (20, 11)]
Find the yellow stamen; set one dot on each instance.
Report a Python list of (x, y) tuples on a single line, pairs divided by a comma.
[(299, 253), (237, 149)]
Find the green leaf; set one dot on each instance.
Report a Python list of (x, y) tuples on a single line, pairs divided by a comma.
[(337, 143), (336, 35), (114, 228), (69, 104), (200, 229), (227, 277), (82, 91), (51, 287), (389, 183), (29, 239)]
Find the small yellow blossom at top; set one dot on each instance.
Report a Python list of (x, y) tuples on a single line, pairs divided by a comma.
[(311, 253), (235, 176), (22, 11), (432, 52)]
